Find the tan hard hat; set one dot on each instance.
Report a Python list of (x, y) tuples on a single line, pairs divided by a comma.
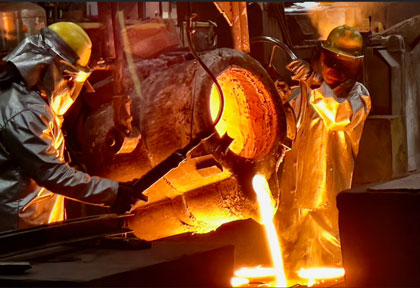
[(344, 40)]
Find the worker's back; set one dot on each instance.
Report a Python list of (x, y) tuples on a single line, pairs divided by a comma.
[(17, 107)]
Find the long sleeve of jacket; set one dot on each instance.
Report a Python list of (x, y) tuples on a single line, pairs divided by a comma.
[(341, 114), (30, 141)]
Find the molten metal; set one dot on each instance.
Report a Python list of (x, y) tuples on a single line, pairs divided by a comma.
[(249, 275), (267, 211), (316, 276), (237, 282), (257, 272), (177, 105), (248, 117), (321, 273)]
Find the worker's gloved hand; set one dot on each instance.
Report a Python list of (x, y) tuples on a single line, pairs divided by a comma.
[(301, 70), (127, 196)]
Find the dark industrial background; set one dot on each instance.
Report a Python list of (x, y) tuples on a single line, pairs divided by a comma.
[(389, 147)]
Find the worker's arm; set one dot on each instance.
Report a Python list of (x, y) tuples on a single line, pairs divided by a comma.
[(341, 114), (28, 138)]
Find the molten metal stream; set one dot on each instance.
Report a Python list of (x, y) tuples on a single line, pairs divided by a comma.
[(267, 211), (266, 275)]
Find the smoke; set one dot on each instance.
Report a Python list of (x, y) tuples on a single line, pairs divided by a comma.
[(365, 16)]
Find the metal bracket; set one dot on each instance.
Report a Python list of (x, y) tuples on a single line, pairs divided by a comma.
[(123, 137)]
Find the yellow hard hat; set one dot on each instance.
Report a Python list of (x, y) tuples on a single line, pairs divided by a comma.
[(76, 38), (344, 40)]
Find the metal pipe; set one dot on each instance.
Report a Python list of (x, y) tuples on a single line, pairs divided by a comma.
[(272, 40)]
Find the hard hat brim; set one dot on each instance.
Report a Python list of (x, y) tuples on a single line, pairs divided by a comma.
[(341, 54)]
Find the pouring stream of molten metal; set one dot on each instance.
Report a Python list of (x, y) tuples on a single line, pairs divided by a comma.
[(267, 211)]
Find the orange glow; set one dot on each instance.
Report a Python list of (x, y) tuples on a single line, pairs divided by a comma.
[(57, 213), (274, 277), (267, 211), (318, 273), (330, 238), (256, 272), (325, 16), (321, 273), (335, 114), (322, 20), (237, 282), (247, 277), (214, 111), (82, 76), (249, 115), (9, 28)]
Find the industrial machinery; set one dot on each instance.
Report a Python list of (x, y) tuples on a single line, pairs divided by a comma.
[(213, 185), (197, 140), (159, 116), (19, 20)]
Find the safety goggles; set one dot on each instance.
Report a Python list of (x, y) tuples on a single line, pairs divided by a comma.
[(345, 64)]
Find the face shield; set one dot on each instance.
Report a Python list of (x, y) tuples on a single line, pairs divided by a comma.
[(45, 62), (68, 88), (346, 65)]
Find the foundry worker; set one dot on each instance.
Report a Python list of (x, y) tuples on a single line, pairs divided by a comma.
[(331, 115), (39, 82)]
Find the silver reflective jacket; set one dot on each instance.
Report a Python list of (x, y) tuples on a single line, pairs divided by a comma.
[(321, 161), (32, 164), (319, 166)]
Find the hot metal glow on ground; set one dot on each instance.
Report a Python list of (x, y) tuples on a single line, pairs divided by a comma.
[(275, 276)]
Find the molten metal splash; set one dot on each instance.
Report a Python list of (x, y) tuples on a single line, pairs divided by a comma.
[(247, 277), (259, 274), (267, 211), (256, 272), (316, 275), (238, 282), (321, 273)]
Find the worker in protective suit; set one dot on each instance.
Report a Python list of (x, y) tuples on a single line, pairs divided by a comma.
[(39, 82), (331, 109)]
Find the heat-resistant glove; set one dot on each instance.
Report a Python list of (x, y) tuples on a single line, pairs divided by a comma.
[(302, 71), (127, 196)]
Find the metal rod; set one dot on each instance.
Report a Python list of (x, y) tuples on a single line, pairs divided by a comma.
[(40, 237), (272, 40)]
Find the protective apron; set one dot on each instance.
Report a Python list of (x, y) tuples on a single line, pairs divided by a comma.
[(319, 166)]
